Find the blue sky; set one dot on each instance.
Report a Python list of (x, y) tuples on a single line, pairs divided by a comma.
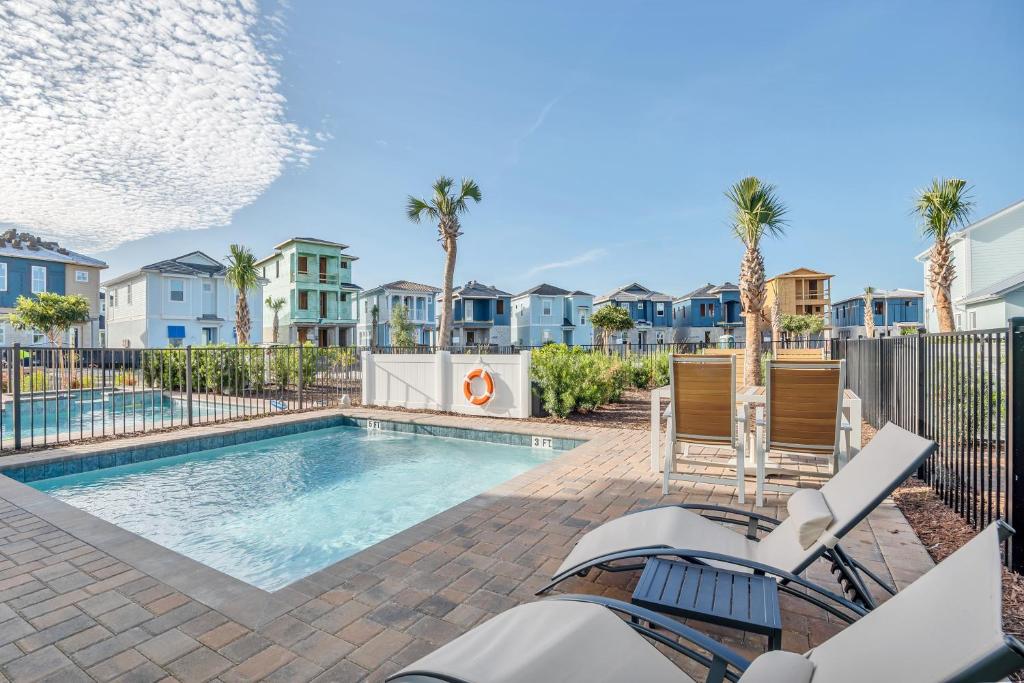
[(604, 134)]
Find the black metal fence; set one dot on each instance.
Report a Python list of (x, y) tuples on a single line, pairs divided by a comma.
[(53, 396), (963, 390)]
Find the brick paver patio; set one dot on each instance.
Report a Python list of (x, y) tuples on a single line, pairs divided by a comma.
[(83, 601)]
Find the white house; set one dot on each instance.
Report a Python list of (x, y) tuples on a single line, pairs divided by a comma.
[(546, 313), (178, 302), (989, 284)]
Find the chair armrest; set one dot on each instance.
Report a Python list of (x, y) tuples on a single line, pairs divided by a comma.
[(720, 654), (732, 511)]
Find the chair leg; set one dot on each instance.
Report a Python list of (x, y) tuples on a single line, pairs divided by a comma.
[(741, 475), (759, 454), (668, 468)]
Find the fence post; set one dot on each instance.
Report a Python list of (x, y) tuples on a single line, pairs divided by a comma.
[(188, 382), (16, 389), (1015, 437), (922, 376), (302, 370)]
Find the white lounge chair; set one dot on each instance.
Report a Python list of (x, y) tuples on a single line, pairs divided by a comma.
[(946, 626), (818, 519)]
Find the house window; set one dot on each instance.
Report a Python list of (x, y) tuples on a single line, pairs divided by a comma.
[(177, 289), (264, 271), (112, 298), (582, 310), (661, 337), (38, 337), (128, 296), (81, 276), (303, 265), (958, 322), (344, 296), (344, 265), (38, 279), (878, 307), (974, 320), (703, 310), (277, 268), (659, 308), (3, 334), (546, 306), (499, 307), (3, 277), (304, 301)]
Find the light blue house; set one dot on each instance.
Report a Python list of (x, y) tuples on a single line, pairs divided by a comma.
[(418, 300), (892, 310), (481, 316), (708, 313), (546, 314), (651, 313)]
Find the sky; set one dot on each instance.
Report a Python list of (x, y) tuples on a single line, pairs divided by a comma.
[(602, 134)]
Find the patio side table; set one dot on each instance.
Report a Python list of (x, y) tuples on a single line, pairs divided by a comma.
[(718, 596)]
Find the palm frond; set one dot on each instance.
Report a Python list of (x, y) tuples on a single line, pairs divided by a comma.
[(241, 271), (416, 208), (757, 211), (944, 205)]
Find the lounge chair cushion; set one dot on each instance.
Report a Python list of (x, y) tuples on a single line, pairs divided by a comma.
[(666, 527), (811, 515), (779, 666), (550, 640)]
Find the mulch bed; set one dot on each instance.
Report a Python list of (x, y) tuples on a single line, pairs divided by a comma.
[(943, 531)]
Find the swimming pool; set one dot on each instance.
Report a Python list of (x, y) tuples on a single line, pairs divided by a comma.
[(104, 410), (272, 511)]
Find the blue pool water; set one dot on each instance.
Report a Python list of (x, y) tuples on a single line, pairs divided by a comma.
[(273, 511)]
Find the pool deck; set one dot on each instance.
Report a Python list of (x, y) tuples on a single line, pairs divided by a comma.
[(81, 599)]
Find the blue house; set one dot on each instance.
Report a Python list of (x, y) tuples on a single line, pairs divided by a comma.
[(708, 313), (376, 305), (892, 310), (546, 314), (481, 316), (651, 313)]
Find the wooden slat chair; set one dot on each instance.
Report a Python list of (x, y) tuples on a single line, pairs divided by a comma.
[(703, 412), (800, 354), (803, 414), (735, 353)]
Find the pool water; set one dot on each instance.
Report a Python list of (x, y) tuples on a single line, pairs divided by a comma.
[(273, 511)]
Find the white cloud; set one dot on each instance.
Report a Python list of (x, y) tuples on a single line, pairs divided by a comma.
[(123, 119), (585, 257)]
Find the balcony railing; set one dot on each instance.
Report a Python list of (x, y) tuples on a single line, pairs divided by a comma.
[(315, 278)]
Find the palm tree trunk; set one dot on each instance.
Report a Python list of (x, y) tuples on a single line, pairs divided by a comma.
[(275, 334), (450, 249), (242, 318), (944, 309), (941, 273), (752, 288)]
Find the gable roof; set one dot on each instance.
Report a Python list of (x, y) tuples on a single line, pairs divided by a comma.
[(633, 292), (199, 265), (726, 287), (700, 291), (544, 289), (476, 289), (579, 292), (996, 289), (802, 272), (14, 244)]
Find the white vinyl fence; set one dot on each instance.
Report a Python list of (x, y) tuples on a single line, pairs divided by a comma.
[(437, 381)]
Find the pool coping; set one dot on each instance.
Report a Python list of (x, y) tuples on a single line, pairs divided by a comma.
[(236, 599)]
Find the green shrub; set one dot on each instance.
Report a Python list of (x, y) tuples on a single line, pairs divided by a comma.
[(574, 380)]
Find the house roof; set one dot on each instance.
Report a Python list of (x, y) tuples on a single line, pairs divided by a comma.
[(883, 294), (191, 264), (959, 234), (996, 290), (311, 240), (406, 286), (633, 292), (802, 272), (580, 292), (700, 291), (478, 290), (16, 244), (726, 287), (545, 289)]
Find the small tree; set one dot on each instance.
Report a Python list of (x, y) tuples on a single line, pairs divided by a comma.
[(275, 305), (375, 320), (802, 326), (401, 328), (51, 314), (611, 319)]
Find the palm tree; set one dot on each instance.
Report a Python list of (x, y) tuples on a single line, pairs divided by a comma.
[(375, 317), (445, 208), (243, 276), (757, 213), (943, 206), (869, 312), (275, 305)]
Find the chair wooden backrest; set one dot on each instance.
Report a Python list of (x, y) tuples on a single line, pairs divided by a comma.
[(804, 402), (800, 354), (703, 390), (735, 353)]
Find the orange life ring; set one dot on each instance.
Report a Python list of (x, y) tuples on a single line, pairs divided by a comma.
[(467, 386)]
